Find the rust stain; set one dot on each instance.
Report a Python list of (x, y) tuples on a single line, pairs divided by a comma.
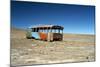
[(43, 36)]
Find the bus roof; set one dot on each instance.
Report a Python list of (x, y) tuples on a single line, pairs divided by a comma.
[(47, 27)]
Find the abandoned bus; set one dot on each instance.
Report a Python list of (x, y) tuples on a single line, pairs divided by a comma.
[(46, 32)]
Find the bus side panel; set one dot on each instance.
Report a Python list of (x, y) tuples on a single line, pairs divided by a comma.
[(43, 36), (35, 35), (57, 36)]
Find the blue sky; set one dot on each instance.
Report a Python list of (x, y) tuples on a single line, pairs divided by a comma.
[(76, 19)]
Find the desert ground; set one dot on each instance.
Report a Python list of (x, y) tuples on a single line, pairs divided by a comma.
[(73, 48)]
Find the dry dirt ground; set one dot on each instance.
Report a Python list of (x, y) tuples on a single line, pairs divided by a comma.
[(73, 48)]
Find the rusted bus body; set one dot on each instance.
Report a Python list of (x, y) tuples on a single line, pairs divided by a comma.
[(49, 32), (43, 36), (57, 36)]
